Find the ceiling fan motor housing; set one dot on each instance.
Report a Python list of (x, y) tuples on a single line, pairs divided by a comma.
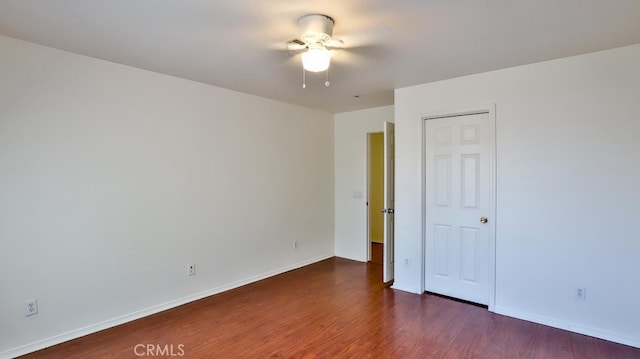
[(315, 28)]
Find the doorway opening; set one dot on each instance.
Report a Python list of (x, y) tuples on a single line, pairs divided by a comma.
[(375, 200), (380, 208)]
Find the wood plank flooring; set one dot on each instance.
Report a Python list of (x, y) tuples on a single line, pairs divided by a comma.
[(334, 309)]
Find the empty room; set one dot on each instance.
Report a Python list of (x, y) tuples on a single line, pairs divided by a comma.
[(319, 179)]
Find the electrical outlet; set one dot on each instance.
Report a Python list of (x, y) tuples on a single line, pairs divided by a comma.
[(30, 307), (406, 262), (581, 294), (191, 270), (295, 244)]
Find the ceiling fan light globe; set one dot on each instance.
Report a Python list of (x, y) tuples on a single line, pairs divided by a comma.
[(316, 59)]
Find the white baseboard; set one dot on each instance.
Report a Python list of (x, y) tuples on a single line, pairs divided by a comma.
[(572, 327), (90, 329)]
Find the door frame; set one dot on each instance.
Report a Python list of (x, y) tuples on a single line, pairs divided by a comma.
[(491, 111)]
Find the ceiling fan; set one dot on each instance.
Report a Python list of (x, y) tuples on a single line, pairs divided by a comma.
[(315, 38), (315, 42)]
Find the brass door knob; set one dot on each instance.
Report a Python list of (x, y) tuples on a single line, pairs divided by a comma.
[(484, 219)]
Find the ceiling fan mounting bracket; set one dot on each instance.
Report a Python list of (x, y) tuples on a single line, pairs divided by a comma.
[(315, 28)]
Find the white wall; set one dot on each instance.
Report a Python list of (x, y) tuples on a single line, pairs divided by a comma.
[(114, 179), (568, 192), (350, 159)]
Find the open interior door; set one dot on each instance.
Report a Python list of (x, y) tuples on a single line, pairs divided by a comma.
[(389, 203)]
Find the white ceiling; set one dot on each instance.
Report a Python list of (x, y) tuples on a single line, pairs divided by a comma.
[(239, 44)]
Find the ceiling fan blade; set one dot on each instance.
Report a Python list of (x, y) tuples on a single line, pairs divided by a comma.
[(372, 37), (337, 43), (346, 57), (296, 45), (290, 45)]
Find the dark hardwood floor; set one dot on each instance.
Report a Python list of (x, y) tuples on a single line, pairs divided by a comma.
[(336, 308)]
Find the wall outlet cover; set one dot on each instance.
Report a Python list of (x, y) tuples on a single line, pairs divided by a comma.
[(30, 307)]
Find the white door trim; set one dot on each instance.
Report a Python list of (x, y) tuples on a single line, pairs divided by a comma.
[(491, 111)]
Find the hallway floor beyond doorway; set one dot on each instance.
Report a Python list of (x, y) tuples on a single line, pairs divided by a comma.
[(377, 252)]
